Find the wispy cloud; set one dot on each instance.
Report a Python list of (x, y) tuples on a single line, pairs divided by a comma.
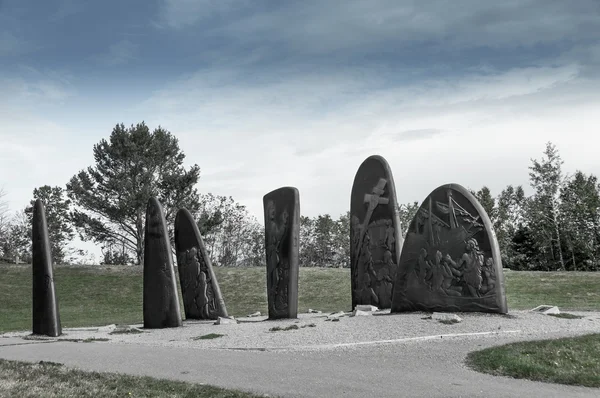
[(419, 134), (119, 53), (11, 45)]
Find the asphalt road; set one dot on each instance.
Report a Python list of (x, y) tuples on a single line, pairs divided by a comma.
[(430, 368)]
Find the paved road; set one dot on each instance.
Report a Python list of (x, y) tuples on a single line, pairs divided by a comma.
[(431, 368)]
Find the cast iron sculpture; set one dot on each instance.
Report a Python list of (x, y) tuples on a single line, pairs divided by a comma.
[(202, 297), (161, 303), (450, 260), (46, 318), (375, 234), (282, 233)]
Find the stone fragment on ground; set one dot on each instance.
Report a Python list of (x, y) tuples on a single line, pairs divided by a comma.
[(335, 316), (226, 321), (107, 328), (445, 317), (366, 308), (254, 314), (546, 309), (311, 311)]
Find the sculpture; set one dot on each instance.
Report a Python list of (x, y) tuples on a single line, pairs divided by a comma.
[(161, 303), (450, 260), (282, 232), (200, 291), (46, 318)]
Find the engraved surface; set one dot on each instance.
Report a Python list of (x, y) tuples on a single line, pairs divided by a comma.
[(450, 260), (375, 234), (161, 304), (200, 291), (282, 228), (46, 317)]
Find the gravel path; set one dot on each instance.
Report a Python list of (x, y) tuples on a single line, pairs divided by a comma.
[(317, 332)]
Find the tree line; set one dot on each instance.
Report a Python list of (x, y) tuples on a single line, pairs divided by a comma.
[(555, 228)]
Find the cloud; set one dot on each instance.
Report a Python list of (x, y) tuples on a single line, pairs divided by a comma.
[(419, 134), (181, 13), (387, 26), (11, 45), (119, 53)]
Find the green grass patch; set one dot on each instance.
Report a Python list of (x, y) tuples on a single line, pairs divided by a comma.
[(209, 336), (574, 361), (291, 327), (448, 321), (98, 295), (283, 329), (49, 379), (565, 315), (566, 290)]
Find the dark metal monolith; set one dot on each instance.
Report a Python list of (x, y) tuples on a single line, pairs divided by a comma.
[(282, 235), (46, 318), (161, 303), (200, 291), (375, 234)]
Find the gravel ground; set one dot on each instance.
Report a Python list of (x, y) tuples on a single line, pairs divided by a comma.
[(317, 332)]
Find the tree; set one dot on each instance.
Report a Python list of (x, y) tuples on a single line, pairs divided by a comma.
[(546, 179), (579, 205), (487, 201), (15, 243), (407, 212), (134, 165), (508, 219), (231, 235), (308, 249), (60, 229)]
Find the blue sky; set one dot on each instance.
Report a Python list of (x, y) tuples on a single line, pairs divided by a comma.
[(263, 94)]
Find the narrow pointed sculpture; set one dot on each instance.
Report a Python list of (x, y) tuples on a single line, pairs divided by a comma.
[(375, 234), (202, 297), (161, 303), (282, 233), (46, 318)]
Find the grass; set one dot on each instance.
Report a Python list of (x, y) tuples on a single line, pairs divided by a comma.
[(99, 295), (50, 379), (573, 361), (209, 336), (291, 327), (566, 290), (565, 315)]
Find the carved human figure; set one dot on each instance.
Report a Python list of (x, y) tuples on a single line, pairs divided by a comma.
[(488, 276), (424, 269), (197, 289), (276, 233), (390, 239), (366, 274), (451, 275), (472, 262), (281, 297)]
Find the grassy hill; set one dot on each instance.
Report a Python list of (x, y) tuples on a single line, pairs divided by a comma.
[(99, 295)]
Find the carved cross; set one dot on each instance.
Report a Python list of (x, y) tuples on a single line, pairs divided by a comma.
[(373, 199)]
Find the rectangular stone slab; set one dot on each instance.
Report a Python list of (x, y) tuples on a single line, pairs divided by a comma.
[(282, 245), (202, 298), (375, 234), (161, 303), (450, 260), (46, 318)]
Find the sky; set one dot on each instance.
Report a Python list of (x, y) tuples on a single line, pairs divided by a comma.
[(264, 94)]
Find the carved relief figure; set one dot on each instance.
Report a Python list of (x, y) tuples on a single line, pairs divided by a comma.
[(472, 261), (276, 231), (390, 239), (198, 289), (488, 276)]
